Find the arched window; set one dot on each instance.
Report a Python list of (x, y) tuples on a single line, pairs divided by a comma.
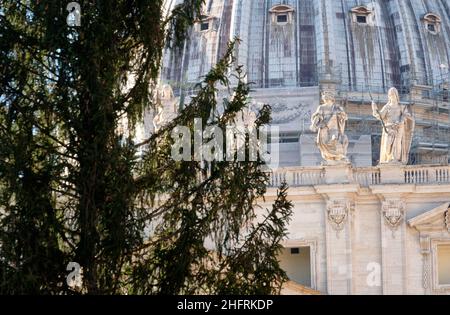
[(282, 14), (432, 23)]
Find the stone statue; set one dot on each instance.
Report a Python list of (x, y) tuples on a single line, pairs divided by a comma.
[(166, 107), (398, 128), (166, 92), (158, 120), (329, 122)]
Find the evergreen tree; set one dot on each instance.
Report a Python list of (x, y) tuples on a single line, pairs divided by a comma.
[(73, 187)]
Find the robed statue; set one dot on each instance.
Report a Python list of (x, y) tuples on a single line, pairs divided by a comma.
[(166, 107), (329, 122), (398, 128)]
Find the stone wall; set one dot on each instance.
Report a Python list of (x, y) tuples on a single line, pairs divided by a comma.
[(371, 237)]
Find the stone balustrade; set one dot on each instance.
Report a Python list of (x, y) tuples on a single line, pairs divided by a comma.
[(298, 176), (427, 175), (368, 176)]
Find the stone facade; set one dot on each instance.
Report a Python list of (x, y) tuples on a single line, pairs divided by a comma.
[(357, 49), (367, 229), (371, 230)]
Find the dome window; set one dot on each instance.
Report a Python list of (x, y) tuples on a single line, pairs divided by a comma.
[(207, 23), (204, 26), (282, 18), (432, 23), (363, 15), (432, 28), (282, 14), (445, 95), (361, 19)]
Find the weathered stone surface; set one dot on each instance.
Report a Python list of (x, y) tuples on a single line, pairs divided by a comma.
[(371, 230), (359, 51), (371, 234)]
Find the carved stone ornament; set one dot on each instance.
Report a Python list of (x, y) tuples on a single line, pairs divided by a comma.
[(447, 220), (426, 272), (393, 213), (338, 212), (425, 248), (283, 113)]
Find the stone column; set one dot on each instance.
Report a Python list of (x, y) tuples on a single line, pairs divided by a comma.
[(393, 229), (339, 193), (339, 219)]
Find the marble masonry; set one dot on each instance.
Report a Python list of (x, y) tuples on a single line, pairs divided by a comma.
[(360, 92)]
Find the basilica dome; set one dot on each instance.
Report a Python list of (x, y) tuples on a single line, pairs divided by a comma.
[(359, 49), (293, 42)]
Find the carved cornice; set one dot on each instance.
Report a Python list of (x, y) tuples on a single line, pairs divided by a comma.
[(436, 220), (361, 10), (432, 18), (281, 8)]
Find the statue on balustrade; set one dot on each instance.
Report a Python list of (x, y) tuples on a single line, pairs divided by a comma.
[(398, 129), (329, 122)]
